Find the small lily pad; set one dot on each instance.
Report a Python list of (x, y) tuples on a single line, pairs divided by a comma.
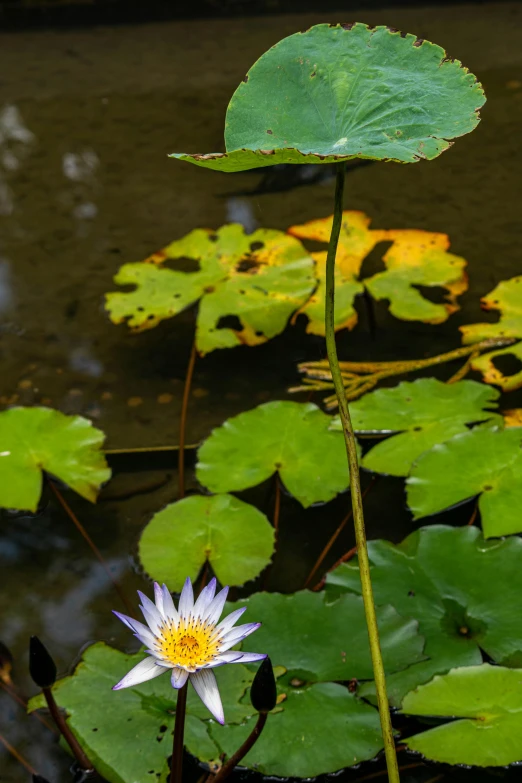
[(460, 588), (484, 704), (424, 412), (289, 437), (33, 440), (484, 462), (337, 92), (259, 278), (234, 537)]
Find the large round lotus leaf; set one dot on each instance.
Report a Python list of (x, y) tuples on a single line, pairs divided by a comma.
[(485, 462), (235, 538), (463, 591), (259, 278), (424, 412), (507, 298), (128, 734), (289, 437), (415, 258), (33, 440), (337, 92), (487, 703), (320, 729), (320, 640)]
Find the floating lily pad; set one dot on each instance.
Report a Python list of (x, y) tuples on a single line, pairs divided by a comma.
[(259, 278), (128, 735), (321, 728), (484, 704), (507, 298), (320, 640), (33, 440), (424, 412), (289, 437), (234, 537), (338, 92), (460, 588), (484, 462)]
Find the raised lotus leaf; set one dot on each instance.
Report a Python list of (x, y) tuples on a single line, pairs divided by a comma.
[(415, 258), (337, 92), (33, 440), (483, 705), (292, 438), (234, 537), (506, 298), (459, 587), (484, 462), (424, 413), (260, 278)]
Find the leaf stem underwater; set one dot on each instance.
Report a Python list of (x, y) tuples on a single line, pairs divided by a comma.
[(355, 486)]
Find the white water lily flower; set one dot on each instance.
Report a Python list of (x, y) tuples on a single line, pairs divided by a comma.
[(188, 640)]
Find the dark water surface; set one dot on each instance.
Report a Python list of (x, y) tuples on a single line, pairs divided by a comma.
[(86, 120)]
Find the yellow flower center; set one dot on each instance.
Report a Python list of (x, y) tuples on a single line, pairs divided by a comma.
[(190, 645)]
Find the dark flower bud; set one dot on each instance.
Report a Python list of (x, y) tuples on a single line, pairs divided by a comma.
[(6, 662), (41, 666), (39, 779), (263, 693)]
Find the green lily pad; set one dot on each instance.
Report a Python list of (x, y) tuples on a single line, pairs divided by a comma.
[(424, 412), (485, 705), (317, 639), (128, 734), (507, 298), (33, 440), (460, 588), (234, 537), (289, 437), (260, 278), (415, 258), (321, 728), (485, 462), (338, 92)]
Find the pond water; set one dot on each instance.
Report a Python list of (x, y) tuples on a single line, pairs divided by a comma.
[(86, 120)]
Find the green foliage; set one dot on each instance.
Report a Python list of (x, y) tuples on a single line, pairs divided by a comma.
[(33, 440), (486, 700), (337, 92), (260, 278), (460, 588), (234, 537), (485, 462), (424, 413), (289, 437)]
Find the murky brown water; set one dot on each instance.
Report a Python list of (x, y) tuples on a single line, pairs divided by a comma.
[(86, 120)]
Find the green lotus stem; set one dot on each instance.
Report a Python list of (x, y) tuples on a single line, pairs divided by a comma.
[(355, 487)]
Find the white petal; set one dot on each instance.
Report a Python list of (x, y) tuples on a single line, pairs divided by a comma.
[(158, 597), (204, 600), (247, 657), (141, 631), (169, 610), (237, 635), (216, 607), (223, 658), (226, 624), (178, 677), (145, 670), (152, 616), (205, 685), (186, 601)]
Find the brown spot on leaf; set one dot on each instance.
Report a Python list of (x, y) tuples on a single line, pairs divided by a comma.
[(271, 132), (249, 265)]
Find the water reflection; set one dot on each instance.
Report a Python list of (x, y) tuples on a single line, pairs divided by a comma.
[(239, 210)]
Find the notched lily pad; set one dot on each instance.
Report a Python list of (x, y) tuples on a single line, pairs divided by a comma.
[(289, 437), (460, 588), (484, 462), (258, 278), (233, 536), (484, 704), (33, 440), (338, 92), (423, 413)]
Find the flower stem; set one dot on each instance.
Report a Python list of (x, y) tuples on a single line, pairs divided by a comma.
[(66, 733), (176, 766), (234, 760), (355, 486), (183, 421), (17, 755)]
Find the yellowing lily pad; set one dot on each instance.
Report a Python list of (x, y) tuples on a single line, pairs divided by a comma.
[(484, 707), (416, 258), (33, 440), (259, 278)]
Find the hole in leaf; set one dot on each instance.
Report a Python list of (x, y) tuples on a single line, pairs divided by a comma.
[(373, 263), (508, 364), (256, 246), (247, 264), (230, 322), (183, 264)]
